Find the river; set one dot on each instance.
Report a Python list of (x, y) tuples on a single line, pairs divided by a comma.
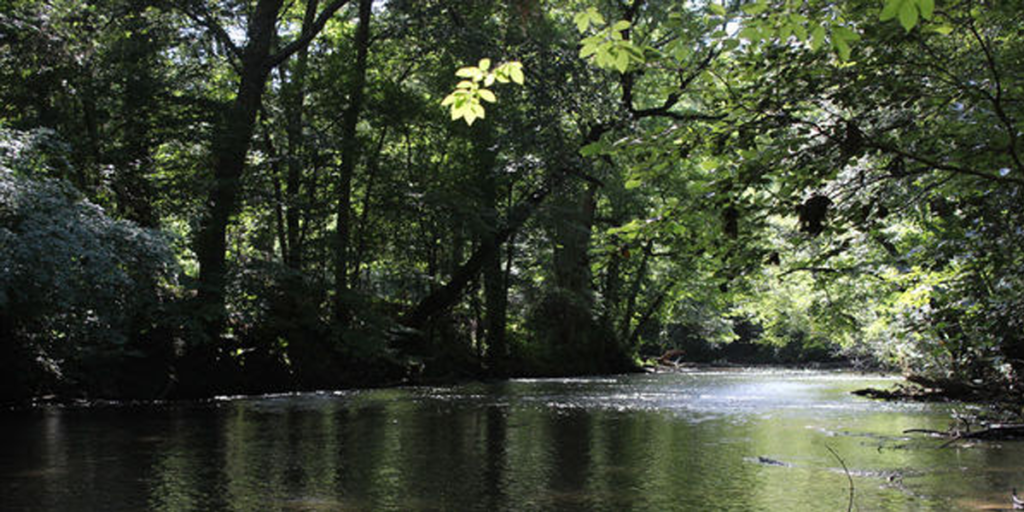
[(699, 440)]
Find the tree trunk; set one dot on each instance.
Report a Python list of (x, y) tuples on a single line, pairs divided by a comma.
[(625, 327), (349, 156), (495, 290), (294, 108), (572, 306), (275, 168), (372, 170), (230, 146), (445, 297), (134, 159)]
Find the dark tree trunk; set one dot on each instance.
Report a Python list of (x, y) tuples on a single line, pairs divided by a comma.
[(495, 289), (349, 155), (275, 168), (294, 107), (626, 326), (572, 304), (372, 171), (230, 145), (134, 159)]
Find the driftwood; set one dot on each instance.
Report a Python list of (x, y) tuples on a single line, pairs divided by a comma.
[(925, 389), (994, 431), (670, 358)]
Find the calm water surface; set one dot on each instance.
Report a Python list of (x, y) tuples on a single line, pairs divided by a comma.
[(703, 440)]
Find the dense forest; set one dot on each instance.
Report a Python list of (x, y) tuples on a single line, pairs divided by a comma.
[(202, 197)]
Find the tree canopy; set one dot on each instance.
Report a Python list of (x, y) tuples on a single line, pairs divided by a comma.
[(202, 196)]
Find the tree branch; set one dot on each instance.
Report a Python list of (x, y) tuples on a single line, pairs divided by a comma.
[(307, 34), (942, 166), (997, 100), (216, 29), (665, 109)]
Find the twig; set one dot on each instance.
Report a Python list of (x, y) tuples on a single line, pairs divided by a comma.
[(925, 431), (849, 508)]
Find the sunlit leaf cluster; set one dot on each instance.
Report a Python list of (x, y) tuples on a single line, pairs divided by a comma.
[(466, 101)]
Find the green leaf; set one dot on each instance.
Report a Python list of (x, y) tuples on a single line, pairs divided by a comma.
[(755, 8), (487, 95), (604, 57), (587, 50), (941, 29), (717, 9), (785, 32), (468, 72), (622, 61), (750, 34), (801, 32), (516, 73), (633, 183), (484, 65), (594, 148), (927, 8), (633, 52), (842, 47), (680, 51), (619, 26), (817, 37), (582, 21), (845, 34), (908, 15), (890, 9)]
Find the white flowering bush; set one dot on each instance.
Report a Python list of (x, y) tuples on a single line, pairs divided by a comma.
[(79, 291)]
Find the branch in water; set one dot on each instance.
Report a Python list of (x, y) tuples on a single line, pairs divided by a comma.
[(849, 508)]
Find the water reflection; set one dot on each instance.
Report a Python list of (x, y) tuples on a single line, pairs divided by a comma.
[(707, 440)]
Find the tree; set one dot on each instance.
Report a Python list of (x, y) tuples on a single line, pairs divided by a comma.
[(232, 138)]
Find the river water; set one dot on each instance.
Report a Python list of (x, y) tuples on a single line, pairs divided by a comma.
[(702, 440)]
